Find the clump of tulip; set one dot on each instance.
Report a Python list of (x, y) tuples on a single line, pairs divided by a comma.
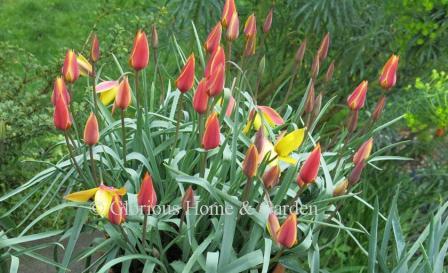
[(210, 141)]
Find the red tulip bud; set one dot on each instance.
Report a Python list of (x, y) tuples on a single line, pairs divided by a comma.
[(249, 48), (210, 139), (440, 132), (309, 104), (117, 211), (185, 80), (388, 76), (353, 121), (310, 168), (271, 177), (217, 59), (379, 109), (200, 99), (233, 31), (59, 89), (227, 12), (147, 198), (363, 152), (250, 27), (61, 116), (356, 173), (70, 70), (91, 131), (213, 39), (95, 50), (188, 199), (287, 234), (273, 226), (279, 268), (330, 71), (140, 52), (315, 67), (250, 162), (357, 99), (259, 136), (340, 188), (123, 98), (216, 81), (298, 58), (268, 21), (324, 46)]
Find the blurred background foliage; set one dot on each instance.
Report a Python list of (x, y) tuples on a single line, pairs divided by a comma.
[(35, 35)]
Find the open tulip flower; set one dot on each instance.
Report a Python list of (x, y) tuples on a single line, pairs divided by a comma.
[(198, 144), (102, 195)]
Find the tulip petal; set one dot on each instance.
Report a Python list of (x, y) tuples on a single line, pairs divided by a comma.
[(103, 199), (271, 115), (290, 142), (81, 196), (288, 159)]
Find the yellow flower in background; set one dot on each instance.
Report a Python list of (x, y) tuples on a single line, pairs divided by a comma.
[(108, 91), (289, 143), (102, 196), (269, 115)]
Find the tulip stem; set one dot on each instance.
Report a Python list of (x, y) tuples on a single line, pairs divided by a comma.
[(203, 164), (298, 194), (137, 95), (145, 223), (125, 236), (78, 169), (123, 137), (247, 189), (278, 255), (95, 104), (92, 164), (176, 136)]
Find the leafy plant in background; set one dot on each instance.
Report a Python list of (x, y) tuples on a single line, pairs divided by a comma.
[(216, 147)]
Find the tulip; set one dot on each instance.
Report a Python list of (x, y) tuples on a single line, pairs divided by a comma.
[(355, 175), (230, 105), (102, 197), (268, 21), (324, 45), (273, 226), (357, 99), (310, 168), (108, 91), (200, 98), (70, 70), (140, 52), (154, 37), (271, 177), (210, 139), (309, 103), (213, 39), (287, 234), (329, 73), (388, 76), (289, 143), (85, 68), (279, 268), (61, 117), (249, 48), (250, 27), (95, 49), (363, 152), (146, 197), (215, 83), (217, 59), (227, 12), (378, 109), (123, 98), (117, 211), (271, 117), (316, 107), (298, 58), (315, 67), (91, 131), (250, 162), (188, 199), (233, 31), (341, 188), (59, 89), (353, 121), (185, 80)]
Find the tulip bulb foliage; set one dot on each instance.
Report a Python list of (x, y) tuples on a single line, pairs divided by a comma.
[(169, 164)]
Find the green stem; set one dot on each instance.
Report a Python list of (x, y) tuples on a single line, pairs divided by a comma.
[(178, 118), (125, 236), (145, 223), (123, 137), (92, 164), (95, 104), (247, 189), (72, 157)]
